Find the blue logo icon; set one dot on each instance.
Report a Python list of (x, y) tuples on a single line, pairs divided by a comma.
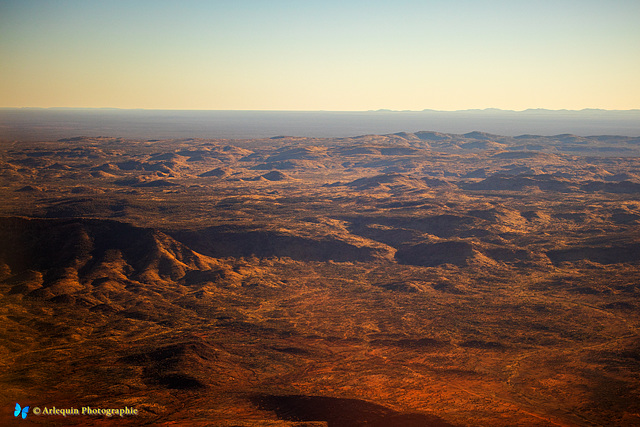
[(24, 411)]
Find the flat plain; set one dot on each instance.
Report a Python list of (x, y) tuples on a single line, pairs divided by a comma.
[(409, 279)]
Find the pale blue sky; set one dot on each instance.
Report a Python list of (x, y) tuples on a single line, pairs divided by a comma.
[(320, 55)]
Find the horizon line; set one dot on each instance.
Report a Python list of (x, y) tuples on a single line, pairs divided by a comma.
[(380, 110)]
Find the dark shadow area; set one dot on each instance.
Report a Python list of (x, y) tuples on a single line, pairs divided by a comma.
[(602, 255), (221, 242), (343, 412)]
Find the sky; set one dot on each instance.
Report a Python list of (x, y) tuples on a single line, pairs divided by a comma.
[(344, 55)]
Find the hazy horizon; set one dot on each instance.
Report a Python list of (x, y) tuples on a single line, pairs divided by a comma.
[(55, 123), (379, 110)]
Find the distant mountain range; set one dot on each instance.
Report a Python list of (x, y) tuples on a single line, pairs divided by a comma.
[(54, 123), (500, 110)]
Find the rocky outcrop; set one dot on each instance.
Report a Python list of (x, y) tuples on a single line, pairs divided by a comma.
[(88, 258)]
